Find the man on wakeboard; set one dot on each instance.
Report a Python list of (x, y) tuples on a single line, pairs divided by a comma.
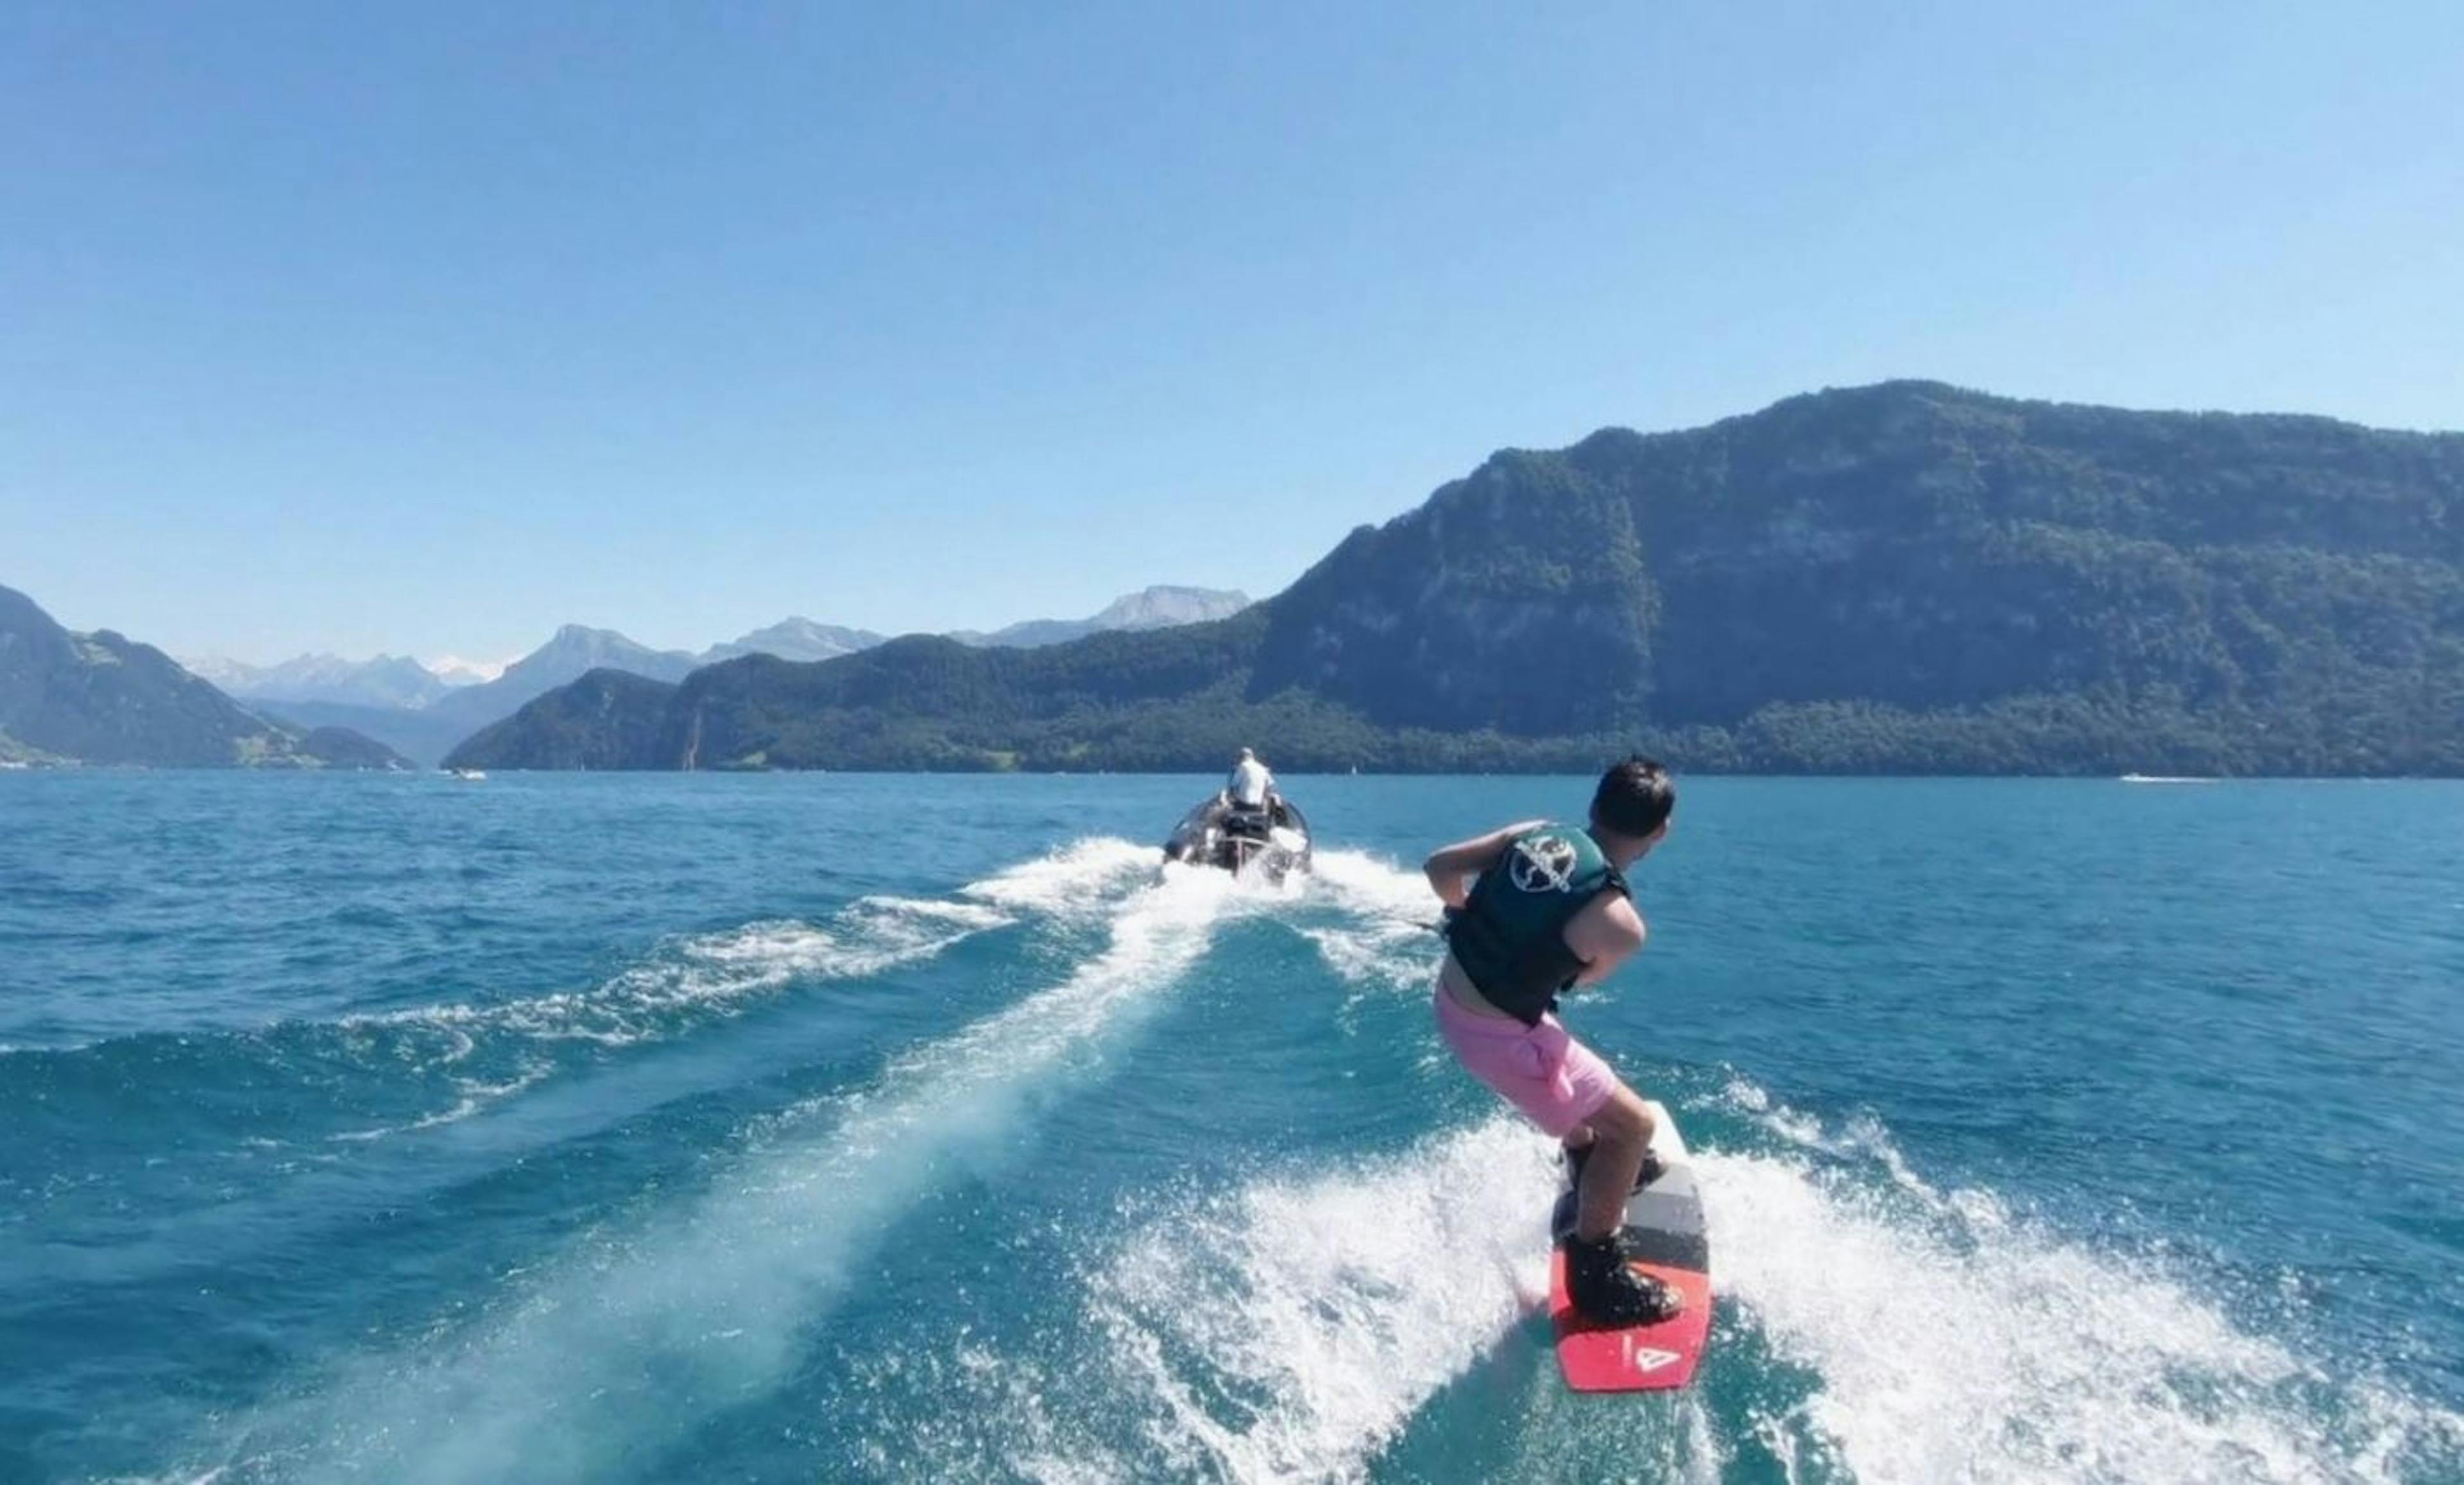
[(1551, 912)]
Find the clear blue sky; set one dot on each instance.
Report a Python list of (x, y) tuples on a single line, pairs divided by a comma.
[(427, 329)]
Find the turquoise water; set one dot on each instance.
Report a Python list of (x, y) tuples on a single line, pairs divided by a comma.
[(791, 1127)]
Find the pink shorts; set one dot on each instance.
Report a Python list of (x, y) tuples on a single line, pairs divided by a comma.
[(1555, 1080)]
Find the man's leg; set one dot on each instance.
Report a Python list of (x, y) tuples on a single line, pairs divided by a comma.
[(1599, 1281), (1566, 1088), (1621, 1130)]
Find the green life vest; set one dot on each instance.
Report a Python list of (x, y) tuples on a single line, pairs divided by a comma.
[(1511, 936)]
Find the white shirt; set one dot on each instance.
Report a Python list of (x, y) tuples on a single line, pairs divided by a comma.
[(1249, 782)]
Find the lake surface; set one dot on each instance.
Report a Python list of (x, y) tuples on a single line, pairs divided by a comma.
[(907, 1128)]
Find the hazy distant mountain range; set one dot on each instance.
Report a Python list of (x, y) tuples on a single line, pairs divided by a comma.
[(424, 731), (1160, 607), (387, 680), (796, 639), (423, 714), (401, 683)]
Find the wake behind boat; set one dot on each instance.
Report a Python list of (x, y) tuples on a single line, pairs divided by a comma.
[(1270, 839)]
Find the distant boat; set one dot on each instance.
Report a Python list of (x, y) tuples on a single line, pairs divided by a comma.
[(1273, 838), (2165, 778), (468, 775)]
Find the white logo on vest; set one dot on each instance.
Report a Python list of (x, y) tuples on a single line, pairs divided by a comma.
[(1544, 863)]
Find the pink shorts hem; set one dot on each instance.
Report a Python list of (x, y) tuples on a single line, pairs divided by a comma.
[(1556, 1081)]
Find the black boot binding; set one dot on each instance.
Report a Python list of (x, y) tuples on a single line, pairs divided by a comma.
[(1607, 1292)]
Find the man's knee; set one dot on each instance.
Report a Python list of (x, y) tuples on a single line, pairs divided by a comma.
[(1624, 1118)]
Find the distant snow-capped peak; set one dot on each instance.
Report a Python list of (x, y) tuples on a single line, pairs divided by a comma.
[(455, 671)]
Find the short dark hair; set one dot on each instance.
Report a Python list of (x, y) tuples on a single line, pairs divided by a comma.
[(1635, 797)]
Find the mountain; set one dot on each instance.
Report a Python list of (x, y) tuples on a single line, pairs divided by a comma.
[(796, 639), (1160, 607), (569, 727), (423, 713), (427, 732), (1854, 559), (1905, 577), (573, 652), (1155, 608), (396, 681), (104, 698)]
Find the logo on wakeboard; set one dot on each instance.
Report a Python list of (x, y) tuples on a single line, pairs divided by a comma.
[(1544, 863), (1647, 1358)]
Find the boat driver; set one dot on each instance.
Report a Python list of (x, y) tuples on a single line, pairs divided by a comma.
[(1251, 787)]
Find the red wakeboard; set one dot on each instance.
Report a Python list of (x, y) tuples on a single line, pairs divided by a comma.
[(1667, 1220)]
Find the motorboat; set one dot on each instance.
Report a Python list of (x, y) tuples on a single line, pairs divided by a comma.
[(1271, 840)]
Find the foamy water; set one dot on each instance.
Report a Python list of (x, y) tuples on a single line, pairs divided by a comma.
[(1954, 1341), (1295, 1329), (1330, 1308)]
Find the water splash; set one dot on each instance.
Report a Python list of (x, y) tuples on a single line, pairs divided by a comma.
[(693, 980), (1872, 1326), (1077, 880), (1384, 940), (1953, 1340), (714, 975), (1301, 1328), (637, 1336), (1291, 1332)]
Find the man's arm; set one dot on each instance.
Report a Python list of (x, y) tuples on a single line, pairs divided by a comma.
[(1450, 869), (1604, 934)]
